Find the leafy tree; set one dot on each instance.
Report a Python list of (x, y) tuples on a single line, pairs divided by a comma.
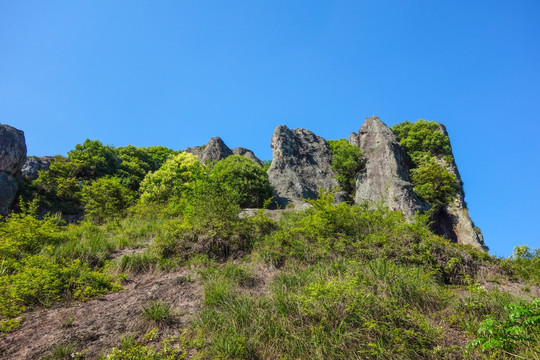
[(92, 159), (159, 155), (247, 181), (105, 198), (176, 177), (347, 162), (434, 184), (135, 163), (57, 189)]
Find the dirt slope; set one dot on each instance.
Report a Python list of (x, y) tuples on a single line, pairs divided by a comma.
[(101, 323)]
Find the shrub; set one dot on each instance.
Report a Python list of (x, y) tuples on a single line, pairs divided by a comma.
[(57, 189), (176, 177), (434, 184), (105, 199), (429, 150), (347, 162), (246, 181), (422, 138), (518, 335)]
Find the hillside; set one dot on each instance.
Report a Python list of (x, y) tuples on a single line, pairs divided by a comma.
[(357, 248)]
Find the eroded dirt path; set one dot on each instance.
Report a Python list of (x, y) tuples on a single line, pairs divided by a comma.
[(100, 324)]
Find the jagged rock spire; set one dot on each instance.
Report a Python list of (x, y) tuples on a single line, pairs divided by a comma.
[(301, 164), (386, 175)]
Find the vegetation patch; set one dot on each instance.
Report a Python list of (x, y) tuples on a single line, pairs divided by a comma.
[(347, 162)]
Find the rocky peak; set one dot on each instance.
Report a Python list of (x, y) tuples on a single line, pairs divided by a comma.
[(386, 175), (247, 153), (216, 149), (301, 164)]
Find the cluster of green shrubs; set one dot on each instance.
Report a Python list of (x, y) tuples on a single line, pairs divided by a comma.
[(101, 182), (32, 273), (430, 153), (91, 174)]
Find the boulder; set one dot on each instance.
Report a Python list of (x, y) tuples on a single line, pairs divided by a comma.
[(34, 164), (453, 221), (301, 164), (247, 153), (386, 174), (12, 149)]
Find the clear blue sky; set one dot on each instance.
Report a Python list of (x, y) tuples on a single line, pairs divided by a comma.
[(176, 73)]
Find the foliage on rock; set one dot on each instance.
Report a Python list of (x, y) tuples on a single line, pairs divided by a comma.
[(430, 152), (347, 162)]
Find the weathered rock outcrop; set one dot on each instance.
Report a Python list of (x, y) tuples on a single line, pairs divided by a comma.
[(386, 175), (301, 164), (453, 221), (33, 165), (216, 150), (247, 153), (12, 158), (8, 191), (12, 149)]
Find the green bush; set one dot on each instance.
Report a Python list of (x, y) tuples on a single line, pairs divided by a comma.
[(517, 336), (31, 274), (347, 162), (524, 264), (176, 178), (430, 151), (57, 189), (422, 138), (244, 179), (434, 184), (105, 199)]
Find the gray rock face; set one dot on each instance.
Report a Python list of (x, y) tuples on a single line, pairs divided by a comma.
[(32, 165), (216, 150), (12, 158), (12, 149), (247, 153), (8, 191), (386, 175), (301, 163), (454, 222)]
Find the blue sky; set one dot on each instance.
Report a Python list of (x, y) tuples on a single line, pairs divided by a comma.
[(176, 73)]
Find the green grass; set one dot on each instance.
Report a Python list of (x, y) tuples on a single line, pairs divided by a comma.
[(159, 312)]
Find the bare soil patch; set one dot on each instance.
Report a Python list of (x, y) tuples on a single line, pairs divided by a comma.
[(100, 324)]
